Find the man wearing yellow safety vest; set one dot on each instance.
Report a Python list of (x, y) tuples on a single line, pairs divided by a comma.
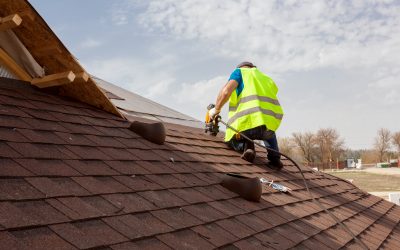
[(254, 110)]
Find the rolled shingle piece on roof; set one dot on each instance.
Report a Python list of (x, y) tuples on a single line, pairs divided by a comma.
[(151, 131), (248, 188)]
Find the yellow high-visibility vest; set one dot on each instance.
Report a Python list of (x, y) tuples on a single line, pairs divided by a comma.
[(256, 105)]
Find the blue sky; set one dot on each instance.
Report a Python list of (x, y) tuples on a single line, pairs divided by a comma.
[(337, 63)]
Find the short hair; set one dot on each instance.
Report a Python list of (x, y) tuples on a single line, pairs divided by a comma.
[(247, 64)]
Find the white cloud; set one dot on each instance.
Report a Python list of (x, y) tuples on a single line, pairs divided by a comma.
[(200, 92), (385, 89), (391, 81), (193, 98), (123, 11), (90, 43), (285, 35), (133, 74), (119, 17)]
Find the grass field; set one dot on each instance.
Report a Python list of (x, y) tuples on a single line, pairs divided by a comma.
[(371, 182)]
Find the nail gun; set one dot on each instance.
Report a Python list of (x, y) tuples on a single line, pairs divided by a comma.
[(211, 125)]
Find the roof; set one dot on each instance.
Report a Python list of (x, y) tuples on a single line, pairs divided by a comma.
[(72, 176), (134, 105)]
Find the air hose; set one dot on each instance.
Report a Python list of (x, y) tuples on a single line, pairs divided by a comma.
[(345, 228)]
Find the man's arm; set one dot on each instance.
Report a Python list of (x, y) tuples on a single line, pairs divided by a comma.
[(225, 93)]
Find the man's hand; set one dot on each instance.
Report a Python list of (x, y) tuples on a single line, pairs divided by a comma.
[(213, 113)]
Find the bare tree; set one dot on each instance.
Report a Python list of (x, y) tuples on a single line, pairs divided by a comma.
[(382, 143), (329, 145), (306, 143), (396, 141), (286, 145), (337, 149), (369, 156)]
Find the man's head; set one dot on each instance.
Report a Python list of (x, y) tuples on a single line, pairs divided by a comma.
[(246, 65)]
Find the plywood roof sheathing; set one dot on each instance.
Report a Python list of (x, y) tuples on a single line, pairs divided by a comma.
[(10, 22), (47, 50), (54, 80), (13, 67), (26, 14)]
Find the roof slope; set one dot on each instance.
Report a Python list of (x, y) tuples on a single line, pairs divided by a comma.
[(75, 177), (131, 104)]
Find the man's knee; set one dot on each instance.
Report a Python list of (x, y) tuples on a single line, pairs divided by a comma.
[(236, 145), (268, 134)]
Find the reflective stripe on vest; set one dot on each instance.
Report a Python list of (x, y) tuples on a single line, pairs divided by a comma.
[(256, 105), (252, 98), (253, 110)]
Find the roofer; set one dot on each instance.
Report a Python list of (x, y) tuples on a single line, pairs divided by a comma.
[(254, 110)]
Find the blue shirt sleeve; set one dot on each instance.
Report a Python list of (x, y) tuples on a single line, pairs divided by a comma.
[(237, 76)]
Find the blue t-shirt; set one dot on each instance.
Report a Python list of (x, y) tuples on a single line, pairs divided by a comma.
[(237, 76)]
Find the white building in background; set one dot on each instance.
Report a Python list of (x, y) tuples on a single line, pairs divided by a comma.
[(395, 198), (351, 163)]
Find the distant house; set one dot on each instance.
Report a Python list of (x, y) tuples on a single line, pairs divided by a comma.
[(73, 176)]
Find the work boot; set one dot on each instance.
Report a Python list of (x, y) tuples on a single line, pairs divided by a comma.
[(275, 164), (249, 155)]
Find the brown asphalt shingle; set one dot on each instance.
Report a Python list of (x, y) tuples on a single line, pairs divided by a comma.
[(75, 177)]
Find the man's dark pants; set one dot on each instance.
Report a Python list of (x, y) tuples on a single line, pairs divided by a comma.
[(257, 133)]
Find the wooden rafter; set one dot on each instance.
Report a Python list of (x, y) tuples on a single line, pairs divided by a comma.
[(10, 22), (13, 67), (81, 77), (54, 80)]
